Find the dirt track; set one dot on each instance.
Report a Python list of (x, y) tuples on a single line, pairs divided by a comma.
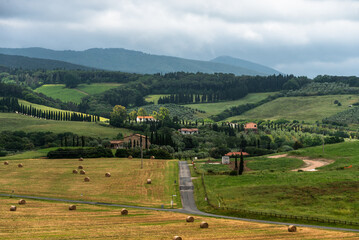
[(310, 164)]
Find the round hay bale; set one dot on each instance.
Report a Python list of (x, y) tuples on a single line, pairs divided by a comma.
[(75, 171), (80, 167), (189, 219), (13, 208), (82, 172), (6, 163), (152, 157), (177, 238), (72, 207), (149, 181), (81, 159), (22, 201), (86, 179), (20, 165), (292, 228), (203, 225), (107, 174), (124, 211), (130, 157)]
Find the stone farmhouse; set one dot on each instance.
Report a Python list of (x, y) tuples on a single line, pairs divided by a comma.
[(188, 130), (131, 141), (145, 119)]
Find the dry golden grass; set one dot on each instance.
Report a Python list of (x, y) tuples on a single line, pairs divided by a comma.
[(127, 184), (49, 220)]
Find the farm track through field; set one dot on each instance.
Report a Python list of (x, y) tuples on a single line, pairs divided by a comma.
[(188, 202), (311, 165)]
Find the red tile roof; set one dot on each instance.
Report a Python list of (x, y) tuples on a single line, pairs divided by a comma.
[(189, 129), (250, 125), (148, 117), (237, 153)]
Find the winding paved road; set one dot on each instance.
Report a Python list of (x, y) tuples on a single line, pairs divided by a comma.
[(188, 203)]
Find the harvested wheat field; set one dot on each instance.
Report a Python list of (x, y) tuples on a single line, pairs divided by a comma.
[(127, 184), (49, 220)]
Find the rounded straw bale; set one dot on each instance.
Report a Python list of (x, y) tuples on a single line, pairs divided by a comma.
[(82, 172), (6, 163), (149, 181), (203, 225), (22, 201), (72, 207), (13, 208), (189, 219), (20, 165), (81, 159), (152, 157), (75, 171), (80, 167), (177, 238), (130, 157), (124, 211), (292, 228), (86, 179), (107, 174)]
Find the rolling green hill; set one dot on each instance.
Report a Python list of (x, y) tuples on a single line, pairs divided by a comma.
[(309, 108), (18, 122), (31, 63), (58, 91), (117, 59)]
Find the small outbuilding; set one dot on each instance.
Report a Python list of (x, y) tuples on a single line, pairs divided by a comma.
[(251, 126)]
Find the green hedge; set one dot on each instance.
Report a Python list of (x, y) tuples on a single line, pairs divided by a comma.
[(80, 152), (136, 153)]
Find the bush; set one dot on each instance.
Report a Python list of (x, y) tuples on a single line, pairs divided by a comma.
[(253, 151), (122, 153), (233, 173), (80, 152)]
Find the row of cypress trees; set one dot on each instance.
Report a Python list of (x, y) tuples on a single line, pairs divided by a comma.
[(12, 105)]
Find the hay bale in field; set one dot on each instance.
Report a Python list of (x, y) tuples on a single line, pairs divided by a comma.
[(80, 167), (22, 201), (107, 174), (177, 238), (189, 219), (124, 211), (203, 225), (6, 163), (81, 159), (82, 172), (20, 165), (13, 208), (75, 171), (292, 228), (149, 181), (86, 179), (72, 207), (130, 157), (152, 157)]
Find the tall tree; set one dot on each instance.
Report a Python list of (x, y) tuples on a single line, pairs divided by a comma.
[(118, 116)]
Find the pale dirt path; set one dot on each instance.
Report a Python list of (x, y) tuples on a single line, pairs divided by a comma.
[(310, 164)]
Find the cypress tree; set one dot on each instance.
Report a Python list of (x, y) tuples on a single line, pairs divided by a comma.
[(241, 165)]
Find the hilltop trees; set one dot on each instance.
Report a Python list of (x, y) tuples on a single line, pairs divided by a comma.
[(118, 116)]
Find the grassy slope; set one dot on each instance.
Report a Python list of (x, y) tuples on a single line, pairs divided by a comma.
[(127, 184), (215, 108), (58, 91), (50, 220), (310, 108), (18, 122), (154, 97), (328, 193)]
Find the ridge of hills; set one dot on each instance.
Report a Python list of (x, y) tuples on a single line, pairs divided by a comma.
[(30, 63), (119, 59)]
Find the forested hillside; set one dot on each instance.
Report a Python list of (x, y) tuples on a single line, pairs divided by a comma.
[(118, 59)]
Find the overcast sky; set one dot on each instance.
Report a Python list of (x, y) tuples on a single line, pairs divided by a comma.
[(303, 37)]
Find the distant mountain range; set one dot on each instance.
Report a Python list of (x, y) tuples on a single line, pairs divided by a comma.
[(13, 61), (118, 59)]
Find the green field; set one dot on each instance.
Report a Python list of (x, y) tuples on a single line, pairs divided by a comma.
[(309, 108), (58, 91), (127, 184), (154, 97), (327, 193), (215, 108), (18, 122)]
